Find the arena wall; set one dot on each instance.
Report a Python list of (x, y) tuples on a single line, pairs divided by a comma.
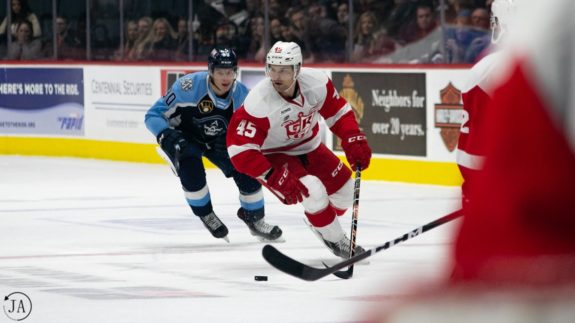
[(410, 115)]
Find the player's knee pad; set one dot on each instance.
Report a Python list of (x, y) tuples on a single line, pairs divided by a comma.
[(317, 199), (343, 198)]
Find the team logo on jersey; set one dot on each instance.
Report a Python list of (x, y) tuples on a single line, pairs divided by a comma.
[(297, 129), (186, 83), (215, 128), (206, 106), (449, 115)]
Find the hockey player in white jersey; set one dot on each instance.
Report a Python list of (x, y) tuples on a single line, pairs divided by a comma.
[(477, 95), (276, 139), (191, 121), (514, 254)]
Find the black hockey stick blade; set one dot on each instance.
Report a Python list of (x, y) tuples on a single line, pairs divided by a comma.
[(343, 274), (297, 269)]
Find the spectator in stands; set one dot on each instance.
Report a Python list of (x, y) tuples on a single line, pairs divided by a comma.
[(480, 19), (229, 16), (370, 41), (257, 51), (160, 45), (288, 35), (298, 23), (399, 15), (144, 30), (326, 36), (25, 47), (68, 45), (20, 11), (182, 40), (463, 18), (254, 7), (131, 35), (275, 30), (278, 8), (343, 14), (226, 35), (422, 26), (464, 42), (101, 43), (144, 27), (235, 11)]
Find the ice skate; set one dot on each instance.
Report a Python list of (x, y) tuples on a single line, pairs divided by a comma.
[(259, 228), (216, 227), (340, 248)]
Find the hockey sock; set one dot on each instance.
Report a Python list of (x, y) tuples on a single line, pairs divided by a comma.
[(326, 223)]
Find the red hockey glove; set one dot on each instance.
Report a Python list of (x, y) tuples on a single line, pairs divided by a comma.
[(281, 180), (356, 150)]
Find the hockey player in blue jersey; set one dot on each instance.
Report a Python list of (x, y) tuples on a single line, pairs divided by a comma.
[(191, 121)]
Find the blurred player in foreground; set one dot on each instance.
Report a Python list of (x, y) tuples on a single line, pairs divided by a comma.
[(514, 256)]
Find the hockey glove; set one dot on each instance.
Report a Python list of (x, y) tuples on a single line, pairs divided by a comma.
[(356, 150), (284, 182), (173, 143)]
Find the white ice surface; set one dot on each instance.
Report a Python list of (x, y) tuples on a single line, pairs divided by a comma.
[(101, 241)]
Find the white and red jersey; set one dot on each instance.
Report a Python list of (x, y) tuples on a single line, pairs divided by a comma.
[(268, 123), (520, 224), (476, 98)]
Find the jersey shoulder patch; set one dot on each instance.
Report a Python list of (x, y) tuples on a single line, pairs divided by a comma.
[(191, 87)]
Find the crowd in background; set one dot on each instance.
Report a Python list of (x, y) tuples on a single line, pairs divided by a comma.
[(383, 31)]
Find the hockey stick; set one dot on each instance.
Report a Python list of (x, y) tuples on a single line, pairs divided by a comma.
[(295, 268), (347, 274), (175, 163)]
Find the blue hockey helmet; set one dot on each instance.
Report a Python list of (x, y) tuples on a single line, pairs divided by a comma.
[(222, 57)]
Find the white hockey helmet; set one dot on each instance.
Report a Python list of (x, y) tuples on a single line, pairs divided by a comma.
[(285, 53), (502, 12)]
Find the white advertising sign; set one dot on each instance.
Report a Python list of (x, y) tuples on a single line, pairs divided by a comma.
[(117, 99)]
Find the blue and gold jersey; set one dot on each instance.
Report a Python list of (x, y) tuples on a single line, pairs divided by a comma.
[(192, 107)]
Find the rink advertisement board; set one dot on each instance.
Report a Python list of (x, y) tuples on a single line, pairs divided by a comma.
[(42, 101), (410, 114), (390, 109), (251, 77), (117, 98)]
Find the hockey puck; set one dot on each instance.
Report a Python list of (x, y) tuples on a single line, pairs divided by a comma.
[(261, 278)]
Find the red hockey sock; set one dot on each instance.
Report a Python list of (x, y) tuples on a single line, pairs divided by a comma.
[(338, 212), (322, 218)]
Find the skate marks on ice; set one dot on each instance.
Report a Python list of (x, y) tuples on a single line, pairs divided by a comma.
[(98, 235)]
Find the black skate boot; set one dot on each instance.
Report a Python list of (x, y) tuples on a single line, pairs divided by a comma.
[(258, 226), (342, 247), (216, 227)]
